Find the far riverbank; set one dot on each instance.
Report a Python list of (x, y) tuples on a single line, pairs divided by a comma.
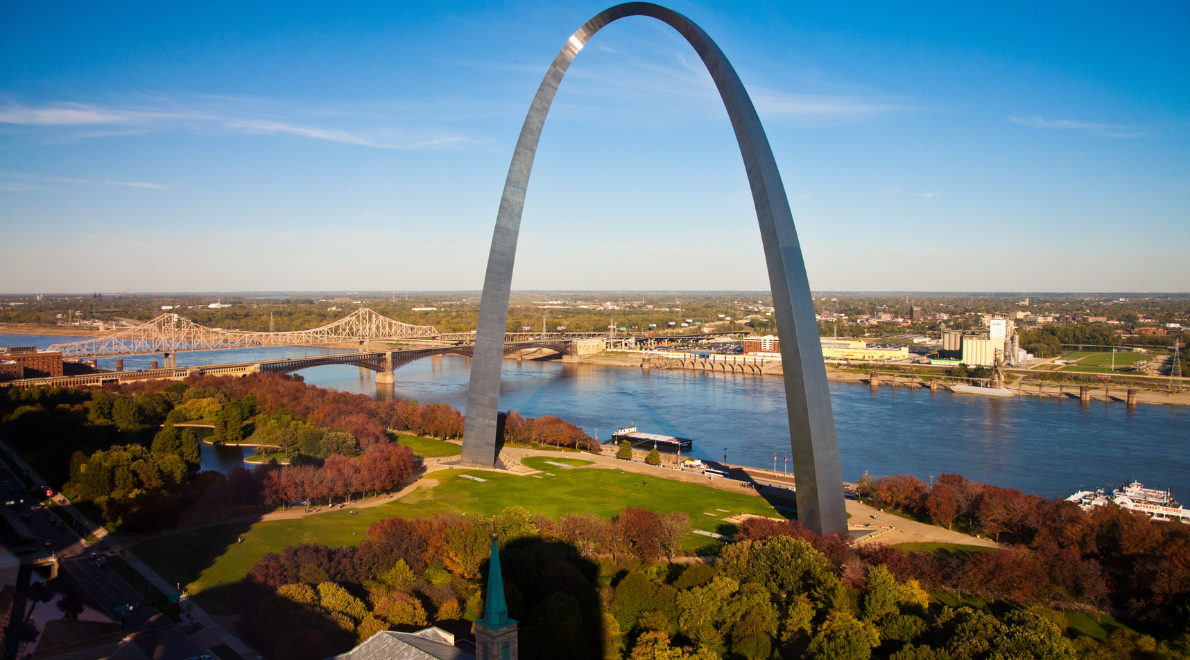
[(1101, 391)]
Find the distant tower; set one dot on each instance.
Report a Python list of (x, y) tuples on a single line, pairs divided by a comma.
[(495, 633)]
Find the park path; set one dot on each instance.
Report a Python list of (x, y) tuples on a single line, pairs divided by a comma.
[(101, 534)]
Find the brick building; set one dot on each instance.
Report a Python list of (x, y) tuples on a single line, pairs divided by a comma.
[(34, 363)]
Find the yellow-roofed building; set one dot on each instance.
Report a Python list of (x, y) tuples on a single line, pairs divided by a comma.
[(834, 348)]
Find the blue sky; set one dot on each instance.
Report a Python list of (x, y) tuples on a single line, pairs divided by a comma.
[(347, 146)]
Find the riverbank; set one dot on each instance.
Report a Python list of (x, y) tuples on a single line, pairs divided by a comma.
[(1102, 391), (57, 330)]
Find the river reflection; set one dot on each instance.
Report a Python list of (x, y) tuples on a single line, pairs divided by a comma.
[(1047, 446)]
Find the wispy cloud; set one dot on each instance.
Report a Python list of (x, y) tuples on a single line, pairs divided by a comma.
[(1109, 130), (248, 116), (822, 106), (65, 115), (34, 182), (927, 195), (20, 186), (136, 184)]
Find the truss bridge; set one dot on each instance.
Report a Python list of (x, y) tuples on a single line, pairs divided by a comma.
[(384, 363), (170, 333)]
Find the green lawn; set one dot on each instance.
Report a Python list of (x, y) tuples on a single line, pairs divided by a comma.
[(1096, 626), (428, 447), (1101, 362), (281, 457), (539, 462), (956, 550), (210, 563)]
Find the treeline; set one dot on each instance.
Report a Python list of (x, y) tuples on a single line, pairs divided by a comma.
[(584, 587), (1108, 557), (1046, 341), (545, 430)]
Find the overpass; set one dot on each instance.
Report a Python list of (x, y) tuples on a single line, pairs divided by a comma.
[(384, 363)]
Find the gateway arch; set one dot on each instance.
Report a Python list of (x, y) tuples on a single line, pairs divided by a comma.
[(811, 421)]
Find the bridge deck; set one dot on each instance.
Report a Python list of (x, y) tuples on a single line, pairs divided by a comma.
[(373, 360)]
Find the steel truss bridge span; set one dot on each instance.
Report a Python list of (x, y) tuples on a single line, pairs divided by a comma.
[(171, 333), (382, 362)]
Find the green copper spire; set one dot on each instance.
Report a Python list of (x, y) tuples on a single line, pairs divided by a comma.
[(495, 610)]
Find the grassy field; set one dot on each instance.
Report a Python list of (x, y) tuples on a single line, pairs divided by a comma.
[(428, 447), (210, 563), (281, 457), (539, 462), (1100, 362)]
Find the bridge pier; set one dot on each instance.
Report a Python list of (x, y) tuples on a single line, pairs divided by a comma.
[(386, 375)]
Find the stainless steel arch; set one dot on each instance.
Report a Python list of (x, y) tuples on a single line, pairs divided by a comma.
[(811, 421)]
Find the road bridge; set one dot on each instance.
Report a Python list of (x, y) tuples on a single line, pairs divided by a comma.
[(382, 362)]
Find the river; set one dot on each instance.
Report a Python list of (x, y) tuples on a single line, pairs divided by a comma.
[(1047, 446)]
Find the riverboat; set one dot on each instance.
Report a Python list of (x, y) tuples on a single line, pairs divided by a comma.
[(1157, 504)]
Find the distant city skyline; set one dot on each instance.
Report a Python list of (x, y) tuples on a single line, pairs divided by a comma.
[(363, 148)]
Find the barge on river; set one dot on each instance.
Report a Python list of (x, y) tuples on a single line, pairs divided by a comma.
[(650, 440)]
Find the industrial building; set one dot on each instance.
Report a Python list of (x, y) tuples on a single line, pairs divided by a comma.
[(981, 349), (858, 349)]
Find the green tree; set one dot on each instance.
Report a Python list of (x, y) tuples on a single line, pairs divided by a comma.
[(882, 595), (190, 448), (99, 408), (625, 450), (124, 414), (167, 441), (703, 610), (229, 425), (843, 637), (338, 442), (514, 523), (749, 637), (654, 457), (173, 468), (400, 576), (334, 598)]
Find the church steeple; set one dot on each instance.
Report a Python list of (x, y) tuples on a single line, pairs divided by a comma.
[(495, 610), (495, 633)]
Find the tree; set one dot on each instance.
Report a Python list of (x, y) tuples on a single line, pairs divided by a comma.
[(625, 450), (703, 608), (642, 530), (190, 449), (654, 457), (672, 534), (882, 596), (467, 547), (843, 637), (943, 504), (124, 414), (334, 598), (229, 425), (338, 442), (167, 441)]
